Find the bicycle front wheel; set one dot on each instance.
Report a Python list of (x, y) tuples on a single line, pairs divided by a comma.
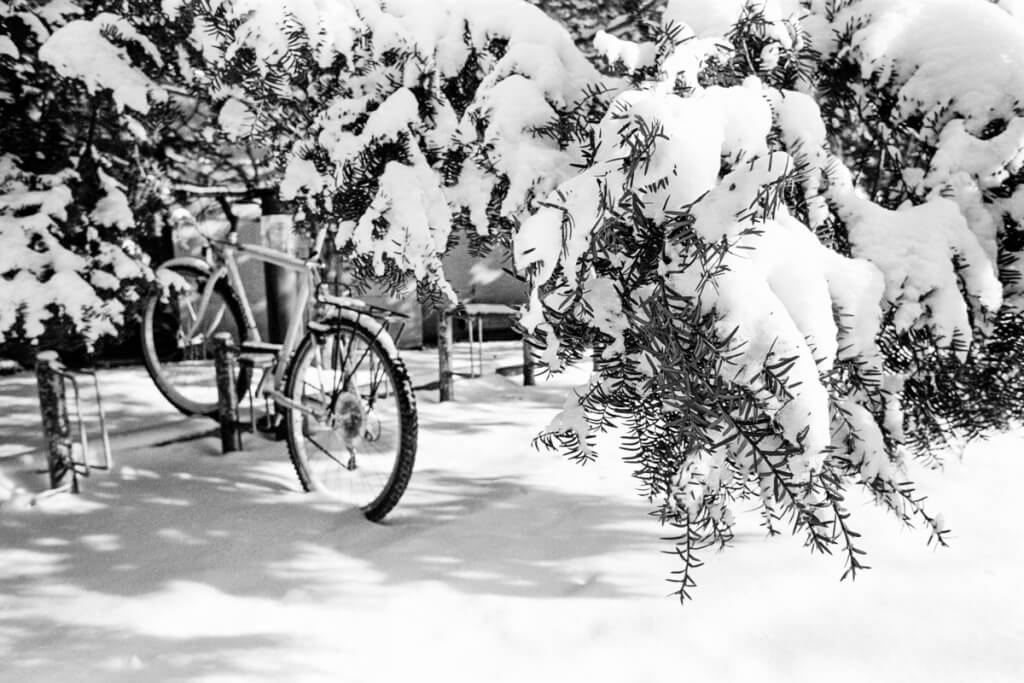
[(355, 436), (177, 337)]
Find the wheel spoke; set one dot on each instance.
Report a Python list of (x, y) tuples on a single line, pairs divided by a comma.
[(376, 377), (325, 451), (339, 362), (356, 364)]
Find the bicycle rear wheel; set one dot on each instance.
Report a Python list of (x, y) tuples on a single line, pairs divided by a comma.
[(177, 338), (356, 438)]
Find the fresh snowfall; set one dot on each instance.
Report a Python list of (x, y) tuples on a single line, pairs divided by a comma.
[(500, 563)]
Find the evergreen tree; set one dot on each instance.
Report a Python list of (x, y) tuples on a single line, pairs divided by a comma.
[(80, 178)]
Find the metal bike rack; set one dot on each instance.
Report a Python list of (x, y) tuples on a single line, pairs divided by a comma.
[(474, 313), (62, 465)]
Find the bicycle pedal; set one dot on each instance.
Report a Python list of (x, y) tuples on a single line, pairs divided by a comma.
[(271, 426), (259, 347), (254, 361)]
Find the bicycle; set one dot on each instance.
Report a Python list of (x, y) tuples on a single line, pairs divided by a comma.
[(342, 392)]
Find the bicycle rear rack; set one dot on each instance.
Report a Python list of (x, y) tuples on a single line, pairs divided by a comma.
[(63, 466), (356, 305)]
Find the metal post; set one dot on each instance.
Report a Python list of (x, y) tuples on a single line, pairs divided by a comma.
[(56, 427), (225, 358), (474, 346), (276, 229), (446, 382), (529, 379), (480, 344)]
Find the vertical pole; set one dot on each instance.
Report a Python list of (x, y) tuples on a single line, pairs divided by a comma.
[(470, 319), (472, 345), (56, 427), (446, 383), (276, 231), (480, 344), (529, 379), (225, 358)]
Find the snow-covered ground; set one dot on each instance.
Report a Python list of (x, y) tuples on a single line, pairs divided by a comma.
[(501, 563)]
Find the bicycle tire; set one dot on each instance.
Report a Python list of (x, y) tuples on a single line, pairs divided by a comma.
[(357, 413), (159, 320)]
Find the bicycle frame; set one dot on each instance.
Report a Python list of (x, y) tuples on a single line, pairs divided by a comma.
[(231, 256)]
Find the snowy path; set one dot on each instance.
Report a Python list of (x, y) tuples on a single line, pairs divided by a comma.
[(500, 564)]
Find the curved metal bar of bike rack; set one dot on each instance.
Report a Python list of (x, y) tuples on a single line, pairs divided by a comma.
[(108, 458), (83, 433)]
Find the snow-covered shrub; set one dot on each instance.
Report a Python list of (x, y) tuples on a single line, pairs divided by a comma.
[(70, 269)]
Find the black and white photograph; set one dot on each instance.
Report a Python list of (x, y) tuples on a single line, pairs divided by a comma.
[(511, 341)]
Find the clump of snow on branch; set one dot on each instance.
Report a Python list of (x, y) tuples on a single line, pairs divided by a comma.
[(919, 46), (962, 107), (79, 50), (714, 19), (633, 56), (411, 217), (798, 119), (916, 248)]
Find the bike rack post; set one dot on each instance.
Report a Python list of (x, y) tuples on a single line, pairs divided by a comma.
[(446, 378), (529, 378), (225, 358), (53, 408)]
